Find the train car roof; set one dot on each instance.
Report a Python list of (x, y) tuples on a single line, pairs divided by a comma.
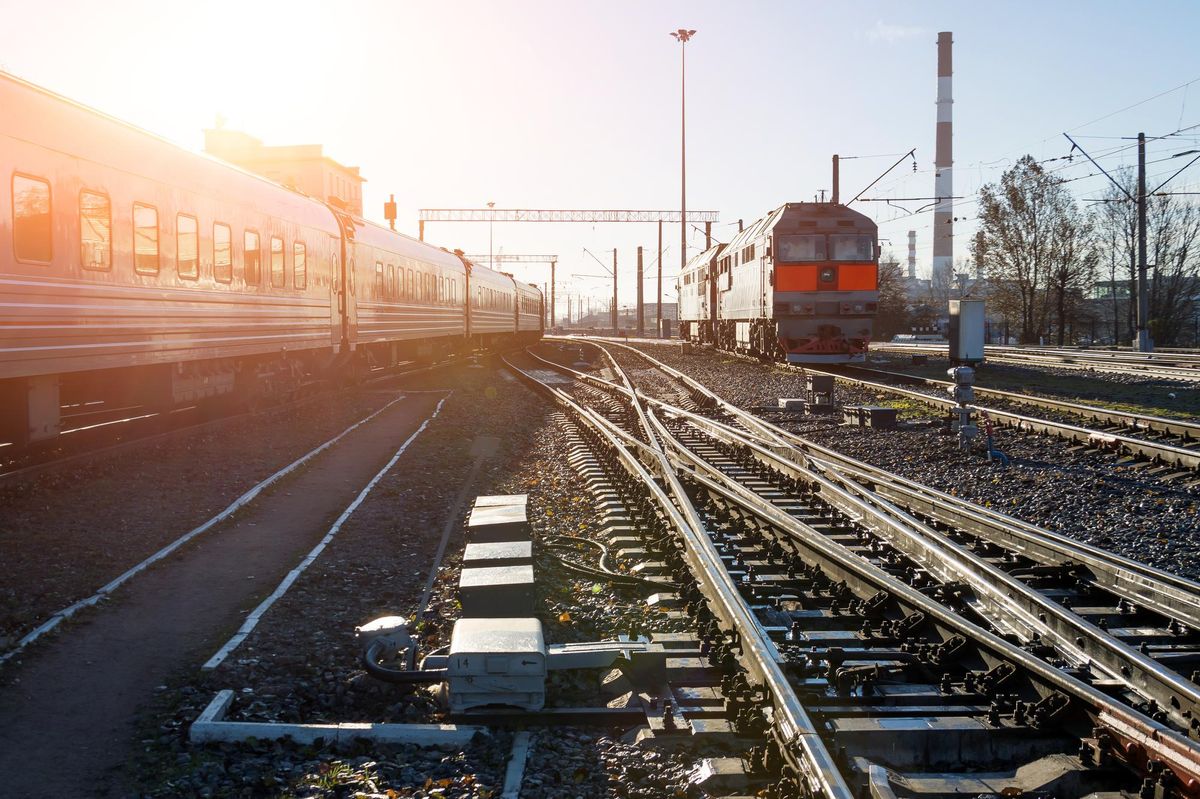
[(484, 274), (376, 235), (818, 211), (136, 151), (703, 259)]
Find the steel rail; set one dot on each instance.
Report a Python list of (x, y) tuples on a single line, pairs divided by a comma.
[(1172, 596), (1152, 450), (1166, 593), (1181, 754), (1171, 750), (798, 734), (1004, 600), (1130, 421), (1064, 360)]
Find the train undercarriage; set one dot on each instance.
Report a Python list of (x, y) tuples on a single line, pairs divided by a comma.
[(36, 410), (769, 340)]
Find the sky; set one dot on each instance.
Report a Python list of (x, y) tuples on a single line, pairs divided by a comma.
[(556, 104)]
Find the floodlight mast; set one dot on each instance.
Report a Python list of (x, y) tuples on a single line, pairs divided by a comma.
[(683, 36)]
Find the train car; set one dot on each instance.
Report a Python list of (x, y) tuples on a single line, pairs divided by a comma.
[(800, 284), (531, 316), (492, 316), (696, 289), (408, 298), (136, 273), (140, 273)]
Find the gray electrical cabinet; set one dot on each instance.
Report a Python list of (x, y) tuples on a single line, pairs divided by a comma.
[(966, 331), (497, 662)]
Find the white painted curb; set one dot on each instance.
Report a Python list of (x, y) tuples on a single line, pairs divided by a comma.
[(253, 619), (237, 504), (514, 774), (211, 727)]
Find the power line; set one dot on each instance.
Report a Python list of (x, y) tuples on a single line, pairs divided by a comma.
[(1135, 105)]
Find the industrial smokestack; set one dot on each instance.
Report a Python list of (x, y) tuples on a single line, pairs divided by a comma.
[(943, 181), (912, 255), (835, 199)]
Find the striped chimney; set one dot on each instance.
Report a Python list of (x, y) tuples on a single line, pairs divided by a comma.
[(943, 181), (912, 255)]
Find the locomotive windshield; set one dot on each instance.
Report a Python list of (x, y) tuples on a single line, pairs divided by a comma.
[(802, 248), (851, 248)]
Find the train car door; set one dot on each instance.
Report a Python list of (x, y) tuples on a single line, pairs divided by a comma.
[(347, 304), (713, 307)]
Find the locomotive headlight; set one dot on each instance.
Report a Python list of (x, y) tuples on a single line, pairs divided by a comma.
[(826, 274), (858, 307)]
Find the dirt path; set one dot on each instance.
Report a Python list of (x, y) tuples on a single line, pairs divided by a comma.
[(67, 716)]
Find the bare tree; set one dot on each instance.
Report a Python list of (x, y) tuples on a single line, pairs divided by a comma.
[(1019, 221), (894, 314), (1072, 265), (1174, 231), (1173, 244)]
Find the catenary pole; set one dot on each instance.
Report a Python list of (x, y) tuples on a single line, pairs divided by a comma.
[(1143, 343)]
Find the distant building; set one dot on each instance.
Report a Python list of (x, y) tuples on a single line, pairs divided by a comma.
[(303, 167)]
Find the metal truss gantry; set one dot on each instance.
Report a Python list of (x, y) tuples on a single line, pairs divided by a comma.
[(577, 215)]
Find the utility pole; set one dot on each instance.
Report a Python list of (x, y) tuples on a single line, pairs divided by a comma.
[(1143, 343), (491, 260), (641, 314), (553, 264), (658, 307), (615, 319)]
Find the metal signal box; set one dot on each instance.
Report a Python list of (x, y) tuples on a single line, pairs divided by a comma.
[(966, 331), (497, 662)]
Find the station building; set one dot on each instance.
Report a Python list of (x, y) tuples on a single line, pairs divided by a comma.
[(303, 167)]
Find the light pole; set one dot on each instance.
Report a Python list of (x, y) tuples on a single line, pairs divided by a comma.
[(683, 36), (491, 218)]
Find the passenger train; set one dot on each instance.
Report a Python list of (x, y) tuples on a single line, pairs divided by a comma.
[(799, 285), (136, 272)]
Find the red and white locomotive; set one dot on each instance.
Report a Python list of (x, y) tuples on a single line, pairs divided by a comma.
[(800, 284), (137, 272)]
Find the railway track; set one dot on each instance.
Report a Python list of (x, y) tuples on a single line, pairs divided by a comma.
[(1174, 431), (916, 647), (1175, 366), (1173, 445), (1170, 447)]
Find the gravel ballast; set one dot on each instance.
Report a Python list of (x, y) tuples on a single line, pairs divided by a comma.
[(302, 662)]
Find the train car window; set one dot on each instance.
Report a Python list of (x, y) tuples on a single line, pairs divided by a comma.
[(299, 265), (31, 219), (253, 257), (379, 279), (278, 276), (408, 280), (187, 247), (846, 247), (391, 281), (802, 248), (222, 253), (95, 231), (145, 239)]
